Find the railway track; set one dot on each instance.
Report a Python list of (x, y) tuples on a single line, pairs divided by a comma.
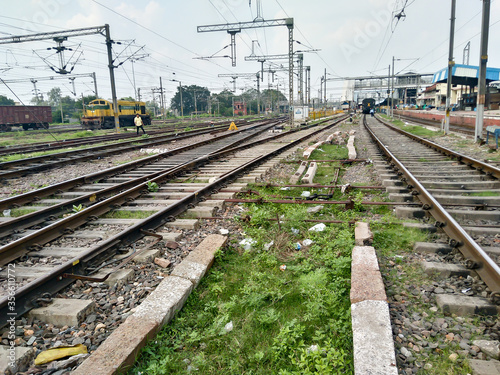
[(77, 142), (22, 167), (38, 241), (452, 189)]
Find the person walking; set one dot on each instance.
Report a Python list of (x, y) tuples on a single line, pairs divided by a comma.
[(139, 124)]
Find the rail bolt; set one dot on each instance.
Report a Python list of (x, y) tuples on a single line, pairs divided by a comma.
[(495, 298), (415, 192), (426, 207), (454, 243), (472, 264), (409, 186), (439, 224)]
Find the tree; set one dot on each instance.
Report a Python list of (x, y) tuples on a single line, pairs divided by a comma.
[(189, 103), (128, 98), (54, 96), (222, 102), (6, 101)]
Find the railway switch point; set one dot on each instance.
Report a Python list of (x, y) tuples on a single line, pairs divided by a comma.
[(63, 312)]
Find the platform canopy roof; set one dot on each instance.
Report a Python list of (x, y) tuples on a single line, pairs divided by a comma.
[(465, 75)]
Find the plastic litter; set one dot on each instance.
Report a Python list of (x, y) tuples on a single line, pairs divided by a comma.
[(228, 327), (6, 213), (307, 242), (247, 243), (305, 194), (295, 231), (285, 188), (268, 245), (283, 267), (223, 231), (318, 228), (312, 348), (57, 353), (298, 246)]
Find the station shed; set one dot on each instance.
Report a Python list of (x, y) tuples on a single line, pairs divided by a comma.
[(464, 81)]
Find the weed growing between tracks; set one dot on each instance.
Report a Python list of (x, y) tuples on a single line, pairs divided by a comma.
[(291, 321)]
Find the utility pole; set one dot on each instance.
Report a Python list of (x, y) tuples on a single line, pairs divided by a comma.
[(95, 84), (34, 81), (392, 89), (389, 91), (161, 101), (308, 85), (325, 88), (112, 77), (481, 94), (450, 69)]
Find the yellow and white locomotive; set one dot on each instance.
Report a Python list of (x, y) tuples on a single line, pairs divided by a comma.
[(99, 114)]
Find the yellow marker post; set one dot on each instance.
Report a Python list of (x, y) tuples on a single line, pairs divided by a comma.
[(232, 127)]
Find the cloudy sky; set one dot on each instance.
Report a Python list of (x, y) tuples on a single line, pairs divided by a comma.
[(347, 38)]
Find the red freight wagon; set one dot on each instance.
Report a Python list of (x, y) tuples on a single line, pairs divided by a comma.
[(29, 117)]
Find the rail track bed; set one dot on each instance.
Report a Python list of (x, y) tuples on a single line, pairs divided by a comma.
[(102, 250), (22, 167), (457, 199), (125, 134)]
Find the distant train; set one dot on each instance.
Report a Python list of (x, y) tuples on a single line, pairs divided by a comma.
[(28, 117), (346, 106), (367, 105), (99, 114)]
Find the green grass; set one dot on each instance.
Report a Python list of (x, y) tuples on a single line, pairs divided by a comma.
[(329, 152), (277, 315), (16, 212), (485, 194), (122, 214)]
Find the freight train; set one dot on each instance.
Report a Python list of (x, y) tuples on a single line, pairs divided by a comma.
[(28, 117), (99, 114), (367, 105)]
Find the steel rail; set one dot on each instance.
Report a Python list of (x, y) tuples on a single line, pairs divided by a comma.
[(26, 297), (35, 195), (87, 153), (74, 142), (488, 270), (39, 216), (36, 240)]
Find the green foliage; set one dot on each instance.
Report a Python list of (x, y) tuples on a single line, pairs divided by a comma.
[(128, 214), (152, 186), (6, 101), (78, 208)]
